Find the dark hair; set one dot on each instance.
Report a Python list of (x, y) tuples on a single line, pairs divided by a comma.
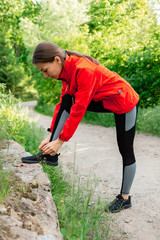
[(46, 52), (82, 55)]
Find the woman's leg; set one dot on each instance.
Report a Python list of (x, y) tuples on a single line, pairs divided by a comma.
[(125, 129)]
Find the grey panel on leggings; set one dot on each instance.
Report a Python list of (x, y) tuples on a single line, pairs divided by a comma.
[(62, 120), (130, 119), (129, 173)]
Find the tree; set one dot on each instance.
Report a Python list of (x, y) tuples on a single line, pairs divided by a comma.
[(125, 38), (13, 51)]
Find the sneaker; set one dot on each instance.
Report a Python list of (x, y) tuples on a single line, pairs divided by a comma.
[(40, 158), (118, 204)]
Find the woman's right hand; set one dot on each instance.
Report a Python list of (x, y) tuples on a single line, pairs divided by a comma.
[(44, 142)]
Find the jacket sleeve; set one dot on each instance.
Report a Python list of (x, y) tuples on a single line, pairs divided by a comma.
[(58, 106), (86, 87)]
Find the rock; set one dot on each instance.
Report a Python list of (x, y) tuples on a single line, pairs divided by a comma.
[(23, 234), (6, 220), (150, 221), (127, 220), (3, 210), (46, 237), (14, 215), (29, 213)]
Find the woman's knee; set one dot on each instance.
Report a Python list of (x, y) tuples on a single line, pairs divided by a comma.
[(66, 102), (128, 158)]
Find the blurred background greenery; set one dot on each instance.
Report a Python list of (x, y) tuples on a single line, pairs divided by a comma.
[(122, 35)]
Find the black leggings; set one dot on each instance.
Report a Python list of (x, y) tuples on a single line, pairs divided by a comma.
[(124, 138), (125, 130)]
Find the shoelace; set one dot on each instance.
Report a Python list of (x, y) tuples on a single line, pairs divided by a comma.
[(119, 201)]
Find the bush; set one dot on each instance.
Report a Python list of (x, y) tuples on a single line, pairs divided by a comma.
[(148, 121), (16, 124)]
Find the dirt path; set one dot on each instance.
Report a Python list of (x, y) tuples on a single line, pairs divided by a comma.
[(95, 151)]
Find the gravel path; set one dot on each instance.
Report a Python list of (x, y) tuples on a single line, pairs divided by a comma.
[(95, 152)]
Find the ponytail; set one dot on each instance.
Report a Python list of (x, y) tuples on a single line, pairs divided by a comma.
[(69, 53)]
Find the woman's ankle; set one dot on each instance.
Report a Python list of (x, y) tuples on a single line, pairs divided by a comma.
[(125, 196)]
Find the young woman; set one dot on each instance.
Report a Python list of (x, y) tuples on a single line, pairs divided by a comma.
[(87, 86)]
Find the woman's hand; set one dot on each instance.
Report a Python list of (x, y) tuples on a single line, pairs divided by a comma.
[(44, 142), (52, 148)]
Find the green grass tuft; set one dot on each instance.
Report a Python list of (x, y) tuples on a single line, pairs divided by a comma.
[(5, 186), (79, 217)]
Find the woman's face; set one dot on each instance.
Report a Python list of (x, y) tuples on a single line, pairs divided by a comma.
[(51, 69)]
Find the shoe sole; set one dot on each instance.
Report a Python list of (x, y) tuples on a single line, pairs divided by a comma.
[(118, 210), (41, 162), (29, 161)]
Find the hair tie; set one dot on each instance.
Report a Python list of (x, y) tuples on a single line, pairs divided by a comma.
[(65, 54)]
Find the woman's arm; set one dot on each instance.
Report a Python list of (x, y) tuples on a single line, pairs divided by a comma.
[(87, 87)]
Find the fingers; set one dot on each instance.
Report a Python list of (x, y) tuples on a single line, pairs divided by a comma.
[(48, 149), (42, 145)]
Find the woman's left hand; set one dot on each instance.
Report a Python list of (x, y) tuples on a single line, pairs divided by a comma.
[(52, 148)]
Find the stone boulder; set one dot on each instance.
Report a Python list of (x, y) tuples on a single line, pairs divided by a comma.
[(29, 212)]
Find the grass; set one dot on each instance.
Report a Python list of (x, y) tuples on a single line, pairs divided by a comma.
[(78, 218), (147, 120), (20, 128), (7, 178), (4, 176), (5, 186), (46, 109)]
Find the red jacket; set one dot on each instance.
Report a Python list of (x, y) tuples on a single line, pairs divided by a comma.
[(88, 81)]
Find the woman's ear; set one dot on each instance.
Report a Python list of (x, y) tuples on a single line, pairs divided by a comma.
[(57, 59)]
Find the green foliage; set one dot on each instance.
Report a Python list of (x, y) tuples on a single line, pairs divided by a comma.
[(15, 123), (123, 35), (14, 67), (148, 121), (126, 40), (102, 119), (142, 71), (46, 109), (48, 89), (5, 186), (9, 74), (20, 128)]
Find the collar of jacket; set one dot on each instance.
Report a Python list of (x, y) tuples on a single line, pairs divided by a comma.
[(67, 70)]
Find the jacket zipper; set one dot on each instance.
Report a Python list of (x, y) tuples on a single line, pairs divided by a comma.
[(66, 87)]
